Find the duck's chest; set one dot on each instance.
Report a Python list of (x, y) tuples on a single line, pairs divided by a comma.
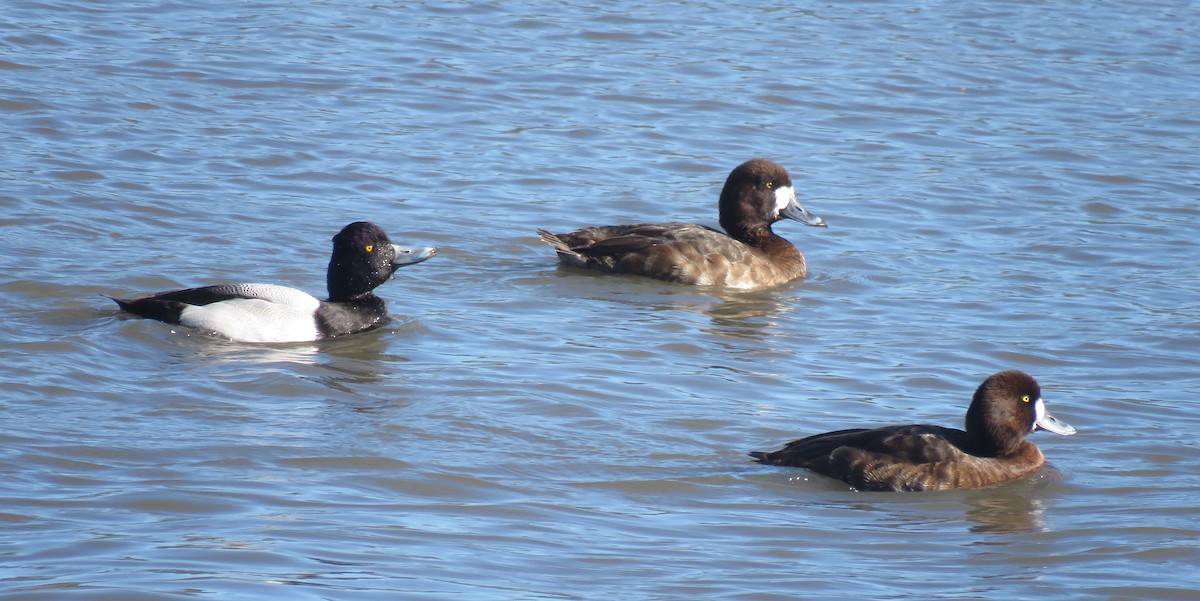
[(749, 268)]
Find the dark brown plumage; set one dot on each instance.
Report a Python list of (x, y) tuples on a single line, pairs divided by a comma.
[(1006, 407), (749, 255)]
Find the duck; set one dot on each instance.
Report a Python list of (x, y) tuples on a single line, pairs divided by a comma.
[(748, 255), (992, 450), (363, 258)]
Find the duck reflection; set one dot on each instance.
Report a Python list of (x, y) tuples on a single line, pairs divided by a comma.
[(749, 316), (1019, 507), (342, 363), (356, 360), (1008, 513)]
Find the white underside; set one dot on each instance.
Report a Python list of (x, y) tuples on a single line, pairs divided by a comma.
[(279, 314)]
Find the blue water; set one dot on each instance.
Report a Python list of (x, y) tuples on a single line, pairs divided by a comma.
[(1008, 185)]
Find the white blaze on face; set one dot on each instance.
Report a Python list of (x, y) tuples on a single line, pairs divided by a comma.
[(784, 196), (1048, 422)]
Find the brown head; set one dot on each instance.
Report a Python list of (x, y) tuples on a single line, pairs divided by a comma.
[(1006, 407), (756, 194)]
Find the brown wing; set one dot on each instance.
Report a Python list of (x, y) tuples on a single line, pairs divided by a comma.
[(667, 251), (916, 457), (679, 252)]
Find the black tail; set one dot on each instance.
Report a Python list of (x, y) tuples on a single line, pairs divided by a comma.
[(168, 311)]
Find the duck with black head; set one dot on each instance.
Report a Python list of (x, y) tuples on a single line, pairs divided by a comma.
[(363, 258), (747, 256), (1006, 407)]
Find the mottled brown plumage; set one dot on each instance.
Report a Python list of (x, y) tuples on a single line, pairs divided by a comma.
[(1006, 407), (749, 255)]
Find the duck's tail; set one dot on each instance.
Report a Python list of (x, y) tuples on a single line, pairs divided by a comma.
[(168, 311), (559, 245)]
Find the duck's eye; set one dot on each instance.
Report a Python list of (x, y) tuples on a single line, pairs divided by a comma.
[(770, 185), (1025, 399), (371, 247)]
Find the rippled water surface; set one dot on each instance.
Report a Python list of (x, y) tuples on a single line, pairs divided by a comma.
[(1008, 185)]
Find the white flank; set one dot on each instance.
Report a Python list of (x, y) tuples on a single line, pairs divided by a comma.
[(277, 314)]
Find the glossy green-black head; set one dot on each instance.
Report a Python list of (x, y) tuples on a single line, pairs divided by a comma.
[(363, 258)]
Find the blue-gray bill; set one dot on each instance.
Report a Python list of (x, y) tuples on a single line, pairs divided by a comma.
[(411, 256), (794, 210)]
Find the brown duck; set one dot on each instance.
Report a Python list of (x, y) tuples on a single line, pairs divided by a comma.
[(1006, 407), (748, 255)]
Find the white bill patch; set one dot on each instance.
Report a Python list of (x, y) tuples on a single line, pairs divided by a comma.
[(784, 196), (1048, 422)]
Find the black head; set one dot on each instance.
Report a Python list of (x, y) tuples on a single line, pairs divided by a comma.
[(758, 193), (362, 259), (1008, 406)]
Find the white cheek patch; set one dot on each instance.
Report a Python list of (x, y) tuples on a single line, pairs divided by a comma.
[(1039, 412), (784, 196)]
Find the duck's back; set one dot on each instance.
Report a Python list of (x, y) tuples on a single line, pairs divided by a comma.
[(686, 253), (903, 458)]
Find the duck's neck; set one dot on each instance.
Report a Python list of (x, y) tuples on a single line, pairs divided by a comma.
[(348, 280), (757, 236), (338, 317), (342, 296), (995, 443), (768, 242), (348, 289), (363, 301)]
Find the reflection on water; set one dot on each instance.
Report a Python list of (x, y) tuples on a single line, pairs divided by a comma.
[(213, 349), (1005, 512), (1015, 507), (1019, 506), (750, 316), (346, 364), (349, 364), (997, 173)]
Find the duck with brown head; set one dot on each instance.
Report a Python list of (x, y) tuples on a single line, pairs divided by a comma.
[(1006, 407), (748, 255)]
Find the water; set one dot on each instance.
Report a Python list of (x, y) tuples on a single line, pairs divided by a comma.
[(1008, 185)]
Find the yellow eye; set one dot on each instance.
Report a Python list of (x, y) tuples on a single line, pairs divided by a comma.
[(371, 247), (770, 185), (1025, 399)]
